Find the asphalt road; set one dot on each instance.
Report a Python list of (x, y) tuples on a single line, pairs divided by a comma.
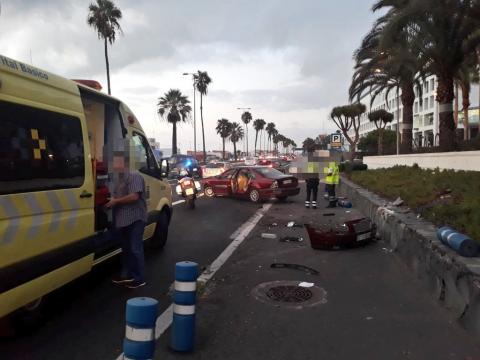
[(85, 319)]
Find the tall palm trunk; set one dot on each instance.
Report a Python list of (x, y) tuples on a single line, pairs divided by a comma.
[(455, 106), (445, 96), (223, 149), (246, 138), (256, 137), (108, 66), (235, 150), (466, 106), (408, 99), (203, 129), (174, 138), (380, 141)]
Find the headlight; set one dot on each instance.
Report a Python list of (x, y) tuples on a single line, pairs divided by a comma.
[(274, 185), (178, 189)]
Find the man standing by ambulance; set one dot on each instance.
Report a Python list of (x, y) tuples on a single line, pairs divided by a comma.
[(130, 215)]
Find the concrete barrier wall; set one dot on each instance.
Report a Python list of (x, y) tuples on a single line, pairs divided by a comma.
[(453, 280), (463, 160)]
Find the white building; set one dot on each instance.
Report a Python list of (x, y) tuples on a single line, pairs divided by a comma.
[(425, 113)]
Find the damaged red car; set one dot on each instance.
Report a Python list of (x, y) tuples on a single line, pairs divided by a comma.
[(255, 183)]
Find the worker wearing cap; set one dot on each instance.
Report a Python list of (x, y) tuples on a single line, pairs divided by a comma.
[(332, 178)]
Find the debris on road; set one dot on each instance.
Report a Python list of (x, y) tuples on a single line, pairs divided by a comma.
[(269, 236), (306, 284), (387, 250), (398, 202), (291, 224), (291, 239), (307, 269)]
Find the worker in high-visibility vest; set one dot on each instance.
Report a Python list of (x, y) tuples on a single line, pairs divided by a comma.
[(332, 177)]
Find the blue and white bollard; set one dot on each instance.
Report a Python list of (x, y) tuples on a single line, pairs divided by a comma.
[(443, 232), (141, 315), (183, 325)]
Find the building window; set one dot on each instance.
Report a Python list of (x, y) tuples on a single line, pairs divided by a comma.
[(415, 108), (432, 102), (432, 84), (426, 86), (39, 150)]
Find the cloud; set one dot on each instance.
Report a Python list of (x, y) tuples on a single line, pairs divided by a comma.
[(287, 60)]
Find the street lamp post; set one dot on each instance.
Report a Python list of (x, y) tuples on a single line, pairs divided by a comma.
[(194, 116), (246, 130)]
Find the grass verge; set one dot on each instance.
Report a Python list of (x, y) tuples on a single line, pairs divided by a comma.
[(443, 197)]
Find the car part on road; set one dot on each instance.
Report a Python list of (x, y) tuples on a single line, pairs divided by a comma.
[(349, 234), (306, 269), (289, 294)]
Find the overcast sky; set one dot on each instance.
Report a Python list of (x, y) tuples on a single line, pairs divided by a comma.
[(290, 61)]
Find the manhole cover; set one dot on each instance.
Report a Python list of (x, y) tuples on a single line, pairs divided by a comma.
[(289, 294)]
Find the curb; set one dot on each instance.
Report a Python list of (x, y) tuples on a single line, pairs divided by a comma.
[(453, 280)]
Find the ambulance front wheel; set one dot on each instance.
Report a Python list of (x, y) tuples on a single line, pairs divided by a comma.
[(160, 235)]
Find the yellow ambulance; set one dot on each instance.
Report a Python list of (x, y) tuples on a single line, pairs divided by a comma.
[(57, 137)]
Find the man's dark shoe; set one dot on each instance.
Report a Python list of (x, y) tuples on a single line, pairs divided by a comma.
[(122, 280), (135, 284)]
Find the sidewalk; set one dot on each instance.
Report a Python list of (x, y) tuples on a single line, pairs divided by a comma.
[(364, 305)]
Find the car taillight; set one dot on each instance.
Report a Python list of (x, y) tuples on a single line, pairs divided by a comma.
[(270, 166), (274, 185)]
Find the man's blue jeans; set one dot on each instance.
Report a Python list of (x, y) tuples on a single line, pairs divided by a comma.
[(133, 261)]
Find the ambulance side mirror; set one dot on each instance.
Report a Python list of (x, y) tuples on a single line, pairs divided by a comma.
[(164, 168)]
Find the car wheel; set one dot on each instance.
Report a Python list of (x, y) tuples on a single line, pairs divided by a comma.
[(208, 191), (254, 196), (160, 235)]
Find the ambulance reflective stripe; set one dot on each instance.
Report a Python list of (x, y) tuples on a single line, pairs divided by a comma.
[(38, 215), (27, 216), (57, 208), (13, 220), (74, 205)]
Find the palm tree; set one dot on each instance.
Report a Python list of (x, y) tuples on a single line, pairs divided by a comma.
[(223, 129), (236, 134), (440, 30), (270, 129), (258, 125), (202, 80), (348, 118), (381, 118), (383, 69), (278, 138), (103, 17), (308, 145), (177, 108), (246, 118)]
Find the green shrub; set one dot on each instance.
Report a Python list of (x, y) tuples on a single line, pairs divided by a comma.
[(423, 189)]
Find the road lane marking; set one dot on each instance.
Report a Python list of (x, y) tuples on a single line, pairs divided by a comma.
[(165, 319)]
